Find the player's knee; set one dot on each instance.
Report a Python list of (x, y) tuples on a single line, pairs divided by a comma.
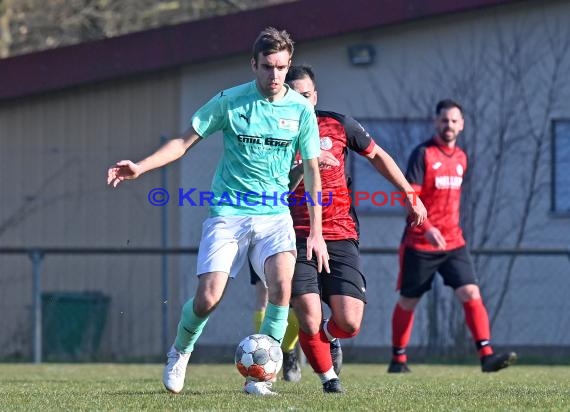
[(309, 322), (310, 327), (349, 327), (352, 329), (408, 304), (204, 305), (468, 292)]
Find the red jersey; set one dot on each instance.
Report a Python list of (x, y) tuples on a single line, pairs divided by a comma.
[(338, 133), (439, 171)]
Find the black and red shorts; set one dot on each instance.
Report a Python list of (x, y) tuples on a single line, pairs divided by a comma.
[(418, 269), (346, 277)]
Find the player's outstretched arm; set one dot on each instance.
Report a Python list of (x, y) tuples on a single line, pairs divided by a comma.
[(388, 168), (315, 241), (167, 153)]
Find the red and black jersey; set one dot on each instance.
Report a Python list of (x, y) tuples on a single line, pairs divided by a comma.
[(438, 173), (338, 133)]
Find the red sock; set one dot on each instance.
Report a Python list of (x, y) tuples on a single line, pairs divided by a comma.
[(402, 322), (317, 350), (337, 332), (477, 321)]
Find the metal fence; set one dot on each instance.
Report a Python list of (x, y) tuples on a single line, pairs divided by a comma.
[(122, 304)]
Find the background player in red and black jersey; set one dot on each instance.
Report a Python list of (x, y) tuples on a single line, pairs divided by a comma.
[(435, 171), (343, 290)]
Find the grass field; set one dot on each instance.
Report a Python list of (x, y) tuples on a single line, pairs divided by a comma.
[(81, 387)]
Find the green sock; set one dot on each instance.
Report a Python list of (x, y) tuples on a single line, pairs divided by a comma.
[(189, 328), (275, 321)]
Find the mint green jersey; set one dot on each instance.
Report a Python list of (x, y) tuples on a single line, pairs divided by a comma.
[(261, 139)]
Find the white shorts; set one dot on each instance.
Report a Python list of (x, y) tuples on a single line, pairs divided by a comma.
[(227, 241)]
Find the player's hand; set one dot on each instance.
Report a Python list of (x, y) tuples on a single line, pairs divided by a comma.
[(123, 170), (434, 237), (317, 244), (327, 160), (417, 213)]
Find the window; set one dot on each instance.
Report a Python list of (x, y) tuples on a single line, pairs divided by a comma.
[(561, 166), (398, 137)]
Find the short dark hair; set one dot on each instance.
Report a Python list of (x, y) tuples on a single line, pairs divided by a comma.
[(447, 104), (300, 72), (270, 41)]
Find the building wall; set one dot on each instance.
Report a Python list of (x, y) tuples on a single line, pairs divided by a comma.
[(56, 149), (468, 57)]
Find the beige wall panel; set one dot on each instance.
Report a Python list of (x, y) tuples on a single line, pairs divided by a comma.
[(55, 150), (416, 64)]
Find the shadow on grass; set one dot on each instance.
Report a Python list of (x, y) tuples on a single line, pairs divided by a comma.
[(185, 393)]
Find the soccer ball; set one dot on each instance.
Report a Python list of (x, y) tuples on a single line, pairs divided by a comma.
[(259, 357)]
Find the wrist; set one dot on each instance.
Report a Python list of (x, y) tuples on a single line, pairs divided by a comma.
[(426, 226), (315, 232)]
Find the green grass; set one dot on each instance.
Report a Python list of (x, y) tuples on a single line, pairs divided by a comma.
[(81, 387)]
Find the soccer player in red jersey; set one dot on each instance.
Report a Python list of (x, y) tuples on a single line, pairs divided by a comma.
[(343, 289), (435, 171)]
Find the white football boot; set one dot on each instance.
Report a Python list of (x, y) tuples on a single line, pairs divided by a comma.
[(175, 370), (258, 388)]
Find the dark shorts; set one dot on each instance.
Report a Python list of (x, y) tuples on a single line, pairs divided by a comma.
[(417, 270), (253, 278), (345, 279)]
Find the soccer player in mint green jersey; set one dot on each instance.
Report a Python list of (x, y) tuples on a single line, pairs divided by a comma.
[(264, 124)]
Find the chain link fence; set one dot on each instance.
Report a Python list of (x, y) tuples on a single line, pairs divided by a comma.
[(73, 304)]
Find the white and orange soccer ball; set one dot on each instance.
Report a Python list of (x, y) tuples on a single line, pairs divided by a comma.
[(259, 357)]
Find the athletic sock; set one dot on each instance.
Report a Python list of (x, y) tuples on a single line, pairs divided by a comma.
[(477, 321), (317, 350), (327, 376), (189, 328), (336, 332), (258, 316), (275, 321), (291, 333), (402, 323)]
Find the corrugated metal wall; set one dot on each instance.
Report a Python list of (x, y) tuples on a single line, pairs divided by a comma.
[(54, 154)]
